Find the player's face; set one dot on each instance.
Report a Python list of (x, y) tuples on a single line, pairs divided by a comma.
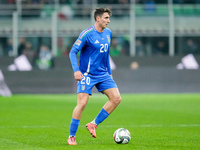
[(104, 20)]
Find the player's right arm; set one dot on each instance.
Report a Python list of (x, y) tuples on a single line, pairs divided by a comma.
[(73, 58), (77, 46)]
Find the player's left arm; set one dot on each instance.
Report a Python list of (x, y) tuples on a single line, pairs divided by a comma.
[(108, 59), (108, 66)]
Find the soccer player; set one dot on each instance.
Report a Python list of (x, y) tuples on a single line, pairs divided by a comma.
[(93, 70)]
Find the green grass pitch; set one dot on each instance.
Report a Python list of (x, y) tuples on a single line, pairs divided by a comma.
[(155, 121)]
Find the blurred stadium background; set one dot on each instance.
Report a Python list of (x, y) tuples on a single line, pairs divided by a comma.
[(150, 44)]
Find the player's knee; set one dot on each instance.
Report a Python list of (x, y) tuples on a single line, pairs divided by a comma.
[(82, 104), (117, 100)]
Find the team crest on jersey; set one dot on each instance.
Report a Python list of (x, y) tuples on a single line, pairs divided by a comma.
[(108, 37), (83, 87), (78, 42)]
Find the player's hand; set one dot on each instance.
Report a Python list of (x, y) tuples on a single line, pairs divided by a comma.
[(78, 76)]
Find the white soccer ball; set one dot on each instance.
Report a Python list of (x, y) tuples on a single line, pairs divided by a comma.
[(122, 136)]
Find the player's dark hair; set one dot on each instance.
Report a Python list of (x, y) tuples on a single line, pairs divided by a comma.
[(99, 12)]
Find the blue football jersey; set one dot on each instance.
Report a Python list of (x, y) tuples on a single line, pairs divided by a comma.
[(94, 47)]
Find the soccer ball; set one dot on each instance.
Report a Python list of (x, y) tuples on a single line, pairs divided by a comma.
[(122, 136)]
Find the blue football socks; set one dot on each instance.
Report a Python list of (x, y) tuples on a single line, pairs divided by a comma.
[(74, 127), (103, 114)]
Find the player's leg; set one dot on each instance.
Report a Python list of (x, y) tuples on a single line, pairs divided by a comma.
[(84, 89), (114, 100), (76, 116), (107, 86), (81, 104)]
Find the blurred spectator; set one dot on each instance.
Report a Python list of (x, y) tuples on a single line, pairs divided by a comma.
[(60, 47), (22, 45), (28, 51), (177, 1), (103, 1), (189, 1), (11, 1), (160, 48), (1, 50), (126, 46), (115, 48), (186, 1), (36, 1), (66, 51), (134, 65), (124, 2), (69, 2), (190, 47), (9, 48), (46, 10), (139, 48), (45, 60), (161, 1), (149, 6), (66, 12)]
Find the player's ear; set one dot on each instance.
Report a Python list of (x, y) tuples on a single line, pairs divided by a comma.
[(97, 18)]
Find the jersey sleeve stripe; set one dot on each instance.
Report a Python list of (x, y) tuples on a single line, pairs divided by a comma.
[(88, 68), (85, 32)]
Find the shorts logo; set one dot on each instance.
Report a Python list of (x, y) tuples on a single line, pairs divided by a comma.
[(83, 87), (78, 42)]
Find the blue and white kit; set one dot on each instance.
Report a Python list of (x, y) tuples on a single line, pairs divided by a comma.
[(94, 60)]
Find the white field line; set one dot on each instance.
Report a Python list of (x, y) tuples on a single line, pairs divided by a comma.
[(110, 126)]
